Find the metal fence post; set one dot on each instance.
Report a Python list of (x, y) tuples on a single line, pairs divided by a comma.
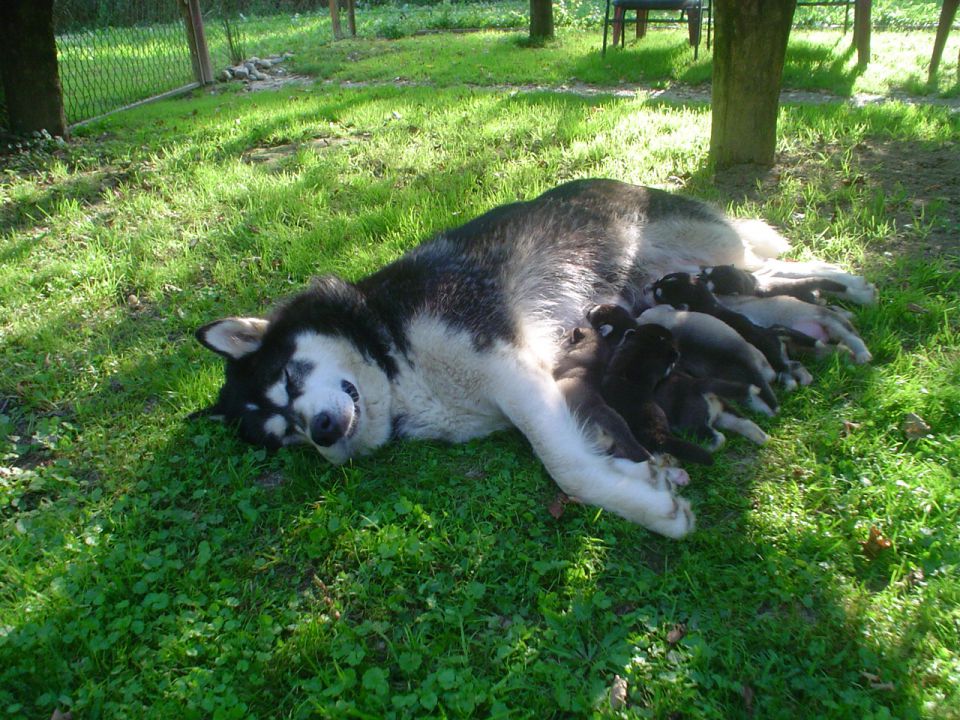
[(197, 39)]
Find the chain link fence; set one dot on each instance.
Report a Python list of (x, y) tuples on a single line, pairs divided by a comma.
[(114, 53)]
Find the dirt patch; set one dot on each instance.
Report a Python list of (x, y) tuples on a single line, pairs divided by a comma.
[(276, 157), (919, 185), (922, 187), (275, 82)]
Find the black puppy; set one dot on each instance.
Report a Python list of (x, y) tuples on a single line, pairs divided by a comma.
[(579, 369), (692, 404), (685, 292), (644, 357), (730, 280)]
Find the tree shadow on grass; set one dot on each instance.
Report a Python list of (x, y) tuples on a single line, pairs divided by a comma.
[(217, 575), (819, 66)]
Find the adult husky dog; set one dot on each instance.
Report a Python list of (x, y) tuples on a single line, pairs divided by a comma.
[(456, 338)]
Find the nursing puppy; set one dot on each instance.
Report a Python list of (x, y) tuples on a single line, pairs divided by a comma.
[(709, 348), (580, 367), (643, 358), (685, 292), (694, 405), (730, 280)]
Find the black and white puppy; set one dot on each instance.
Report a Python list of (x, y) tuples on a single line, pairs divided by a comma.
[(730, 280), (643, 358), (709, 348), (695, 405), (686, 292)]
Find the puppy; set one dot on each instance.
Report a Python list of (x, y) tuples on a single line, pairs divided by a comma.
[(579, 369), (730, 280), (643, 358), (694, 405), (685, 292), (823, 324), (709, 348)]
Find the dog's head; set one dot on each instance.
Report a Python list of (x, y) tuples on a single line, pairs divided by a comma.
[(611, 321), (647, 353), (728, 280), (316, 372), (682, 291)]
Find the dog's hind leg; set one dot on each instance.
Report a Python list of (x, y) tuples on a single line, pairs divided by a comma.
[(854, 288), (527, 394)]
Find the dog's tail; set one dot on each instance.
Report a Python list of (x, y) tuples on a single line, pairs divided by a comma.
[(760, 242)]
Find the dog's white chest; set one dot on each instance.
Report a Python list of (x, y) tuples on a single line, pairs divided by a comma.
[(443, 389)]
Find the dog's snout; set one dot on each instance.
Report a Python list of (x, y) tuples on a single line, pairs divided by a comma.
[(325, 430)]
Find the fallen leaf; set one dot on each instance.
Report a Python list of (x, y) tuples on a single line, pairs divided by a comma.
[(914, 308), (618, 693), (883, 686), (913, 578), (849, 427), (914, 426), (556, 507), (57, 715), (676, 635), (875, 544)]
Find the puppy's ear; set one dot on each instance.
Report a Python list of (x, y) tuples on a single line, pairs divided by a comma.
[(233, 338)]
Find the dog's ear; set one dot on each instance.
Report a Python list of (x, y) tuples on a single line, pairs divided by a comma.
[(233, 338)]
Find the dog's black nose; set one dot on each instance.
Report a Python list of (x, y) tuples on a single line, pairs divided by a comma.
[(325, 430)]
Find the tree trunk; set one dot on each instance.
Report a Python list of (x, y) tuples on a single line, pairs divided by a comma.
[(28, 67), (541, 19), (748, 54)]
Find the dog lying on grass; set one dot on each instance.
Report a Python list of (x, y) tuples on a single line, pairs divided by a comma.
[(458, 337)]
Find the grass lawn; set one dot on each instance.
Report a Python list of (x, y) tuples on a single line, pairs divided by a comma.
[(155, 567), (109, 67)]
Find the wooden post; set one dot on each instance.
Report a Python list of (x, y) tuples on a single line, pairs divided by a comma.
[(749, 50), (197, 39), (28, 67), (335, 19), (861, 30), (947, 14), (351, 18)]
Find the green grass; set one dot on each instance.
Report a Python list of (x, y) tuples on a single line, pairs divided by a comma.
[(156, 567), (108, 68)]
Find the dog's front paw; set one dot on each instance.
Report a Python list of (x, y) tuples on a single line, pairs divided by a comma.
[(678, 522), (652, 502)]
